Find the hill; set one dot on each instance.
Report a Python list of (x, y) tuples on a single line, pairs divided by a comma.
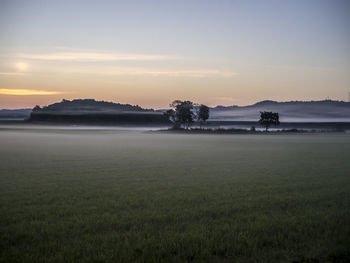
[(291, 111), (90, 111), (85, 106)]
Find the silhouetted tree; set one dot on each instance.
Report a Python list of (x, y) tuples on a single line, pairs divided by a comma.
[(268, 118), (36, 108), (203, 114), (170, 114), (182, 114)]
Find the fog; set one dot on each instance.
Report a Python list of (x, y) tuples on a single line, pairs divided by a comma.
[(288, 113), (19, 127)]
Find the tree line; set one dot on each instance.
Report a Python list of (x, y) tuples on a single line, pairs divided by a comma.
[(185, 113)]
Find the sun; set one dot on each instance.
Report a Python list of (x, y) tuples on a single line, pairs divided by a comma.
[(21, 66)]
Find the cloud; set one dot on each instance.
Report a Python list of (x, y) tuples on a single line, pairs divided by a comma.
[(65, 54), (190, 73), (93, 56), (26, 92), (198, 73), (11, 73)]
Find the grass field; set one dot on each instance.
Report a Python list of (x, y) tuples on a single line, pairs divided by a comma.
[(129, 196)]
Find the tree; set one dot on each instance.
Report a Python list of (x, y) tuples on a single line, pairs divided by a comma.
[(182, 114), (203, 114), (268, 118), (170, 114), (36, 108)]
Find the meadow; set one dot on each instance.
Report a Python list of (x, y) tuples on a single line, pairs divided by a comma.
[(104, 195)]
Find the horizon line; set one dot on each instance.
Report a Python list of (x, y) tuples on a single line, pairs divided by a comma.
[(160, 108)]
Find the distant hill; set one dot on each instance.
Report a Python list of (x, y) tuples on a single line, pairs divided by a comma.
[(84, 106), (291, 111), (89, 111)]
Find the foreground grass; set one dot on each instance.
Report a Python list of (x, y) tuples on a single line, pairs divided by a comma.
[(109, 196)]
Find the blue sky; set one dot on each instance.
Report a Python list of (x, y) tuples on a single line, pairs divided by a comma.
[(151, 52)]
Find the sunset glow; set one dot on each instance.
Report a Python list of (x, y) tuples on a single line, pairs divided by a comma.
[(25, 92), (94, 56), (21, 66), (217, 52)]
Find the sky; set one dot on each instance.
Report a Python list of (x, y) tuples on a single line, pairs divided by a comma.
[(149, 53)]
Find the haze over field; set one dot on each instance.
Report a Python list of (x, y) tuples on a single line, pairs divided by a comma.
[(148, 197), (293, 111)]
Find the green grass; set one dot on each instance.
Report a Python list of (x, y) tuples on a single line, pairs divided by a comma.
[(118, 196)]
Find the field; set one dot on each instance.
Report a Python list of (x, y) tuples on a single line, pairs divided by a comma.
[(95, 195)]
